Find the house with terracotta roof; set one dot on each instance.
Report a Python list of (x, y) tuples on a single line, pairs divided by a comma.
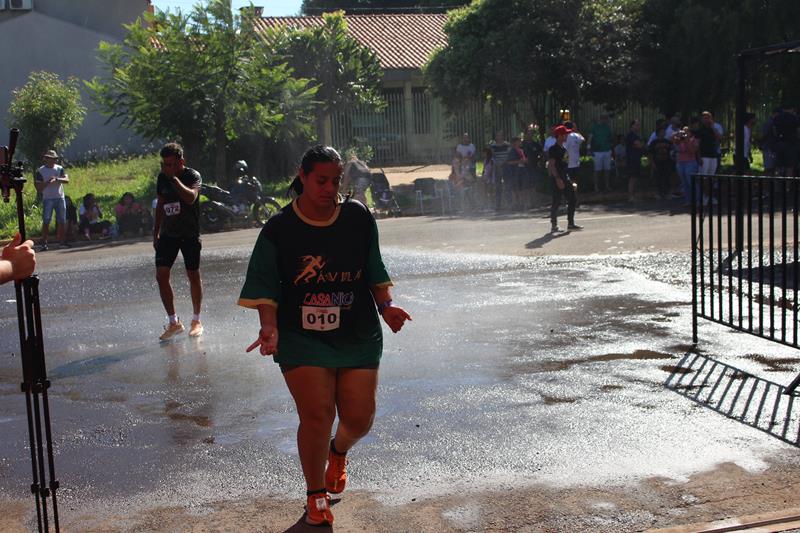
[(412, 127), (415, 128)]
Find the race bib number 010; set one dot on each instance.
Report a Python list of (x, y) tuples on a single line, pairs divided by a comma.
[(320, 318), (172, 208)]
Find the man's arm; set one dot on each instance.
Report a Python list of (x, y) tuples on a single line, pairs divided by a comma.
[(187, 194), (159, 217), (63, 177), (551, 168), (38, 182)]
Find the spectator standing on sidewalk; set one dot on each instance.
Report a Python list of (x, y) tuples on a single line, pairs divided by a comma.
[(356, 178), (673, 127), (517, 174), (467, 151), (488, 181), (501, 150), (599, 143), (709, 141), (660, 152), (634, 149), (49, 180), (561, 182), (787, 143), (573, 147), (533, 153), (749, 123), (767, 142), (686, 147)]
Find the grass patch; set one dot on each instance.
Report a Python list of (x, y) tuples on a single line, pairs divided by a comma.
[(107, 180)]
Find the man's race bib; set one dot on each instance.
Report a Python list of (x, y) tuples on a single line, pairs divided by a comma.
[(320, 318), (172, 208)]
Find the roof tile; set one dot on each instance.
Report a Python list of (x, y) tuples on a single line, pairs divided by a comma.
[(401, 41)]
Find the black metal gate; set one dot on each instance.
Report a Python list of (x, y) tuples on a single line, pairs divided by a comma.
[(745, 256)]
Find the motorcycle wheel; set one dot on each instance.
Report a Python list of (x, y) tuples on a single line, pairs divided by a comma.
[(262, 212), (210, 220)]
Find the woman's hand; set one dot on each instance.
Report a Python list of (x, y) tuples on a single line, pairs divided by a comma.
[(395, 317), (267, 341)]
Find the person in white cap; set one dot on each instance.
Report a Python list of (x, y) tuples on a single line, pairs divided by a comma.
[(49, 180)]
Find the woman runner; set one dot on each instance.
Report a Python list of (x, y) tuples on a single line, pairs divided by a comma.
[(318, 281)]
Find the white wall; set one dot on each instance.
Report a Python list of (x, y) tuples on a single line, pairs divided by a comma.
[(34, 41)]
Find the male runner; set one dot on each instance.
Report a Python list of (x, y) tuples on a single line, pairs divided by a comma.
[(177, 227)]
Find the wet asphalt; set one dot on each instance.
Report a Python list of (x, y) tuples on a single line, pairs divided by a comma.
[(515, 371)]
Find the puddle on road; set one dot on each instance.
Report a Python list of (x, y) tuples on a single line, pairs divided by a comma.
[(674, 369), (171, 410), (776, 364), (552, 400), (638, 355), (455, 373), (685, 348), (199, 420)]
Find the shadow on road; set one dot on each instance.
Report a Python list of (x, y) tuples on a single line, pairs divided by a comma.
[(748, 399), (544, 239), (301, 526)]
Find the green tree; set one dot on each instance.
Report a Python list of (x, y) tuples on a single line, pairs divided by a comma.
[(688, 49), (48, 112), (346, 73), (204, 78), (520, 50), (316, 7)]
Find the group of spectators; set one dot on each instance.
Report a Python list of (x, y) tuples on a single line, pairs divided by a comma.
[(513, 171), (86, 219), (674, 147), (509, 174)]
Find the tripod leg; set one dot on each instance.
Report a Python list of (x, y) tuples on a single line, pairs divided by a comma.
[(40, 456), (27, 388), (32, 443), (45, 384), (51, 464)]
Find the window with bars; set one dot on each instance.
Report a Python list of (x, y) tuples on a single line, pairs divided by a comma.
[(422, 110)]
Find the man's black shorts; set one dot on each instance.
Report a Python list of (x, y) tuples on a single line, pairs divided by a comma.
[(167, 251)]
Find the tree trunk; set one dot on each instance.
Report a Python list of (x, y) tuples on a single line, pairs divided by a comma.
[(192, 150)]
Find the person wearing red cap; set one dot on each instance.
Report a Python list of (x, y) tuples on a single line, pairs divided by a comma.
[(562, 184)]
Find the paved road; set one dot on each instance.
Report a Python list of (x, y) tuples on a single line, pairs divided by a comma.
[(527, 395), (607, 230)]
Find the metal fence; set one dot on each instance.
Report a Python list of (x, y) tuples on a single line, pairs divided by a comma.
[(418, 129), (745, 255)]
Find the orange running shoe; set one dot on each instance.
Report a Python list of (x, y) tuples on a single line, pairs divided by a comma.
[(318, 509), (336, 473)]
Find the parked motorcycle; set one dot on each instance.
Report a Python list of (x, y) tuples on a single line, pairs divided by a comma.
[(244, 205)]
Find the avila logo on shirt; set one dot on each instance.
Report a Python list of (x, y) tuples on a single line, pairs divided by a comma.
[(312, 271)]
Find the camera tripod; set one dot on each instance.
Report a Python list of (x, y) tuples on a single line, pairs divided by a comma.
[(34, 373)]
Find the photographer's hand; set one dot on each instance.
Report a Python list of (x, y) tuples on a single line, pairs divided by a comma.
[(18, 260)]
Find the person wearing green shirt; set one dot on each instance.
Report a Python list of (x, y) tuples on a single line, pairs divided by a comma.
[(600, 141), (318, 282)]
